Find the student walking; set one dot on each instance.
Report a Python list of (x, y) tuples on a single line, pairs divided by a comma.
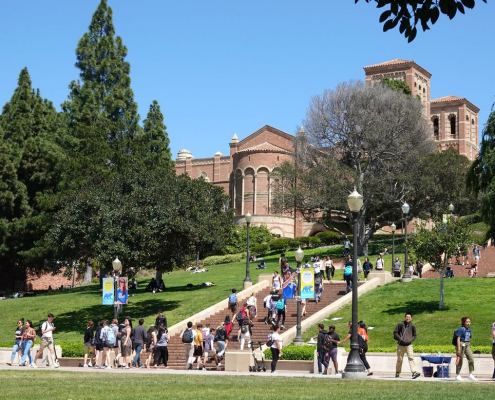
[(405, 335), (47, 329), (89, 344), (188, 335), (27, 340), (320, 350), (276, 348), (139, 340), (161, 349), (17, 344), (464, 336)]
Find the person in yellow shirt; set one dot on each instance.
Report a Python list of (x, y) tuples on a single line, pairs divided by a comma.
[(198, 345)]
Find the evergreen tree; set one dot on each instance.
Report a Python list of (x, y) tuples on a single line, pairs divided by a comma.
[(155, 141), (101, 112)]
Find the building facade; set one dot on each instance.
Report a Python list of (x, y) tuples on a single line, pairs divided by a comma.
[(246, 173)]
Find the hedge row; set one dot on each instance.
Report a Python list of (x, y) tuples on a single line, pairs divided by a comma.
[(228, 258), (306, 353)]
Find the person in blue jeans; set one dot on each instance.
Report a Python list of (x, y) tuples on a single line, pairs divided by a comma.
[(17, 344), (28, 337), (320, 351), (139, 340)]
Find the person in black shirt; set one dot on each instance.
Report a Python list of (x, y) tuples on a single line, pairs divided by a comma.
[(160, 319), (320, 351)]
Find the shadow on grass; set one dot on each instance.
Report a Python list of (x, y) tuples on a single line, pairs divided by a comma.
[(65, 322), (415, 307)]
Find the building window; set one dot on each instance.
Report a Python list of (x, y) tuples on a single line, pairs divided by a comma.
[(452, 124), (435, 127)]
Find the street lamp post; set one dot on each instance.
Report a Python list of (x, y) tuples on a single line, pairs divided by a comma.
[(298, 340), (393, 227), (116, 265), (247, 280), (354, 368), (451, 209), (406, 277)]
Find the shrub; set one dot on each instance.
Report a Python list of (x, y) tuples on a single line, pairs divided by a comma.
[(295, 353), (279, 244), (329, 237), (471, 219), (304, 241), (229, 258), (260, 249), (314, 242), (294, 243), (71, 349)]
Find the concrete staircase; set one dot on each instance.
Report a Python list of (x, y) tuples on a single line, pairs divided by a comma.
[(331, 292)]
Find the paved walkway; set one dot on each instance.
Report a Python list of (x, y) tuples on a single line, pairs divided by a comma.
[(293, 374)]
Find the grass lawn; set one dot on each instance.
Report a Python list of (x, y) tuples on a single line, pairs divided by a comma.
[(71, 385), (385, 306)]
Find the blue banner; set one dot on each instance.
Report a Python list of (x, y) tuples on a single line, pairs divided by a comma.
[(107, 291), (307, 284)]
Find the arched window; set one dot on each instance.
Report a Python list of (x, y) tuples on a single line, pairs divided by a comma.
[(452, 124), (435, 127)]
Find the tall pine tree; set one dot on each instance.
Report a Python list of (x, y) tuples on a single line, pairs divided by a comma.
[(101, 112), (155, 142)]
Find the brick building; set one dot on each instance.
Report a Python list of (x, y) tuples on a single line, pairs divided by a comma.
[(245, 172)]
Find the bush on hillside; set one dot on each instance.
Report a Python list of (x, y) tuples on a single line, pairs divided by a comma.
[(260, 249), (314, 242), (294, 243), (329, 237), (257, 235), (279, 244), (471, 218), (304, 241), (229, 258)]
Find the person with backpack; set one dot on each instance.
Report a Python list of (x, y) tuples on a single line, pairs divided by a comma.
[(221, 339), (138, 342), (419, 268), (318, 288), (161, 350), (363, 345), (463, 338), (116, 347), (397, 267), (160, 319), (348, 273), (209, 348), (47, 329), (98, 343), (108, 340), (89, 344), (405, 335), (332, 339), (273, 306), (150, 345), (27, 340), (281, 306), (232, 302), (322, 347), (281, 262), (380, 263), (126, 338), (187, 336)]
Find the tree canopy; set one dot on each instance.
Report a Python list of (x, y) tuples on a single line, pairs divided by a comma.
[(408, 14), (438, 244), (367, 137), (481, 175)]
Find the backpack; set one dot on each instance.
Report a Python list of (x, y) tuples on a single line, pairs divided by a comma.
[(317, 280), (327, 343), (97, 336), (187, 336), (233, 299), (244, 328), (149, 338), (252, 311), (109, 336), (269, 340), (280, 304), (39, 331), (220, 335), (348, 270)]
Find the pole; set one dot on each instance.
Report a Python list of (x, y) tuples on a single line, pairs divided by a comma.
[(115, 305), (247, 280), (354, 368), (393, 247), (298, 340), (406, 267)]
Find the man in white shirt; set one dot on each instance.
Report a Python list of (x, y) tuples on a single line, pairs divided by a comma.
[(47, 329), (188, 337)]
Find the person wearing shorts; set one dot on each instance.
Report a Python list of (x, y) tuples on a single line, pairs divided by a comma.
[(332, 353), (209, 348), (47, 329)]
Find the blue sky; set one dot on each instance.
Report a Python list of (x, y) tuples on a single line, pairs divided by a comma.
[(224, 67)]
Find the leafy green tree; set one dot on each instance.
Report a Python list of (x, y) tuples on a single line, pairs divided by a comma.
[(481, 174), (155, 141), (367, 137), (438, 245), (398, 85), (32, 154), (441, 181), (238, 238), (101, 113), (409, 13)]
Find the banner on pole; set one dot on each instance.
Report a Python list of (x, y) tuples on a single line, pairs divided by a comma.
[(307, 284), (107, 291), (122, 290)]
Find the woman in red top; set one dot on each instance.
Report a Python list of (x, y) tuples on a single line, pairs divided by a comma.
[(363, 345)]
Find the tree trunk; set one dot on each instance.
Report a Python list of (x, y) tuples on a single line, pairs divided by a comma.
[(442, 272), (158, 277), (88, 274)]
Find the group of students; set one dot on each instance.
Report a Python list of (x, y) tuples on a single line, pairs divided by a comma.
[(123, 340), (25, 335)]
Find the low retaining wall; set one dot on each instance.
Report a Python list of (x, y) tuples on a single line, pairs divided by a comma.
[(5, 353)]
